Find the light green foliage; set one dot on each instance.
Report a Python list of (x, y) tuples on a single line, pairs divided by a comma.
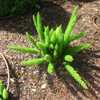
[(33, 61), (53, 45), (69, 58), (70, 25), (51, 68), (3, 92), (23, 49), (75, 75)]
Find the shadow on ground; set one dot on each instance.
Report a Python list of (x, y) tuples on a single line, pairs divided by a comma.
[(52, 14), (13, 75), (85, 0), (88, 70), (80, 2)]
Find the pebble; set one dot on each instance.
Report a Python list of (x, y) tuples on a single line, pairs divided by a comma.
[(35, 72), (12, 80), (33, 90), (44, 86), (97, 53)]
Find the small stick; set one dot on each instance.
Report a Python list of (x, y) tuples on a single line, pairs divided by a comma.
[(7, 66)]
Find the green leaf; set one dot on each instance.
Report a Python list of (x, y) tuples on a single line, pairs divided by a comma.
[(68, 58), (31, 39), (38, 24), (76, 76), (23, 49), (74, 11), (33, 61), (5, 94), (56, 49), (39, 27), (1, 82), (53, 37), (48, 57), (59, 38), (69, 29), (76, 49), (50, 69), (51, 46), (35, 21), (70, 25), (1, 89), (51, 32), (41, 45), (59, 35), (76, 36), (46, 35)]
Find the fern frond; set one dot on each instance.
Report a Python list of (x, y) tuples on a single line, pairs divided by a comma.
[(41, 45), (76, 76), (50, 68), (74, 11), (5, 94), (56, 49), (60, 38), (76, 49), (39, 27), (46, 35), (35, 21), (53, 37), (68, 58), (69, 29), (51, 31), (38, 24), (1, 87), (18, 48), (31, 39), (76, 36), (33, 61), (70, 25), (59, 34)]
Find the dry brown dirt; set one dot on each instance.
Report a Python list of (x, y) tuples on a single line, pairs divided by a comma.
[(34, 83)]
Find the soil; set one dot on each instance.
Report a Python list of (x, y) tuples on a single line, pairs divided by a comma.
[(34, 83)]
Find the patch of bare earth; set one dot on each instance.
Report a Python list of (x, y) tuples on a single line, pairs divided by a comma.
[(34, 83)]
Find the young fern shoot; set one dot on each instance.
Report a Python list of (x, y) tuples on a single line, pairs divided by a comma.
[(53, 45)]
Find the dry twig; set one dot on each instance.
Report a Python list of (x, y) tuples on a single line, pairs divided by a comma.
[(7, 66)]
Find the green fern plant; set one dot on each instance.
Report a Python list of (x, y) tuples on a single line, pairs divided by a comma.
[(53, 45), (3, 92)]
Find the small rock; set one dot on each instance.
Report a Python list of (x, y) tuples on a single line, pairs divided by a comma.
[(33, 90), (97, 53), (43, 86), (12, 80), (35, 72)]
